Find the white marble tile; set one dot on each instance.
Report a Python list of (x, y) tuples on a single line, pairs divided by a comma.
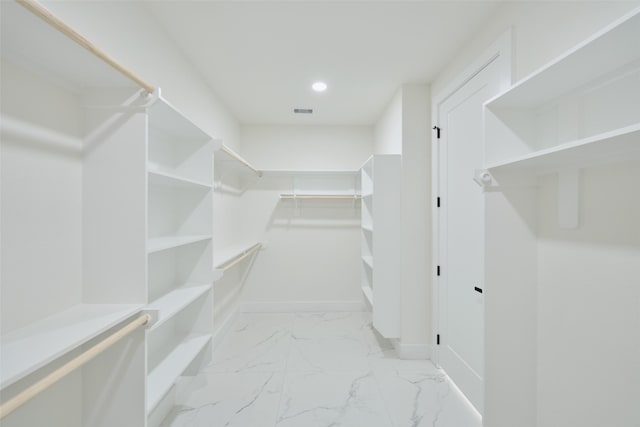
[(341, 354), (331, 399), (421, 399), (229, 400), (330, 325), (257, 342)]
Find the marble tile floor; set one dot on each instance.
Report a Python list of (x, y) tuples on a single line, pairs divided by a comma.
[(315, 370)]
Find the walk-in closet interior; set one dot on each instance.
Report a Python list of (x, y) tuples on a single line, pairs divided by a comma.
[(443, 231)]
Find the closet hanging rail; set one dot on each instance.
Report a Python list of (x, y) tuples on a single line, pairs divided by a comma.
[(235, 156), (321, 196), (45, 14), (29, 393), (241, 256)]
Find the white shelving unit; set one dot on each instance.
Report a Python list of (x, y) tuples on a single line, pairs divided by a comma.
[(563, 150), (73, 243), (179, 247), (380, 190), (162, 378)]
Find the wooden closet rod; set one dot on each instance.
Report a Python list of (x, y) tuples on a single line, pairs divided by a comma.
[(242, 256), (231, 153), (29, 393), (45, 14)]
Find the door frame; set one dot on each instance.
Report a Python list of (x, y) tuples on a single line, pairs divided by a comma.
[(499, 53)]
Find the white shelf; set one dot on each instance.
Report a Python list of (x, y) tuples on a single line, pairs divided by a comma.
[(165, 179), (223, 256), (368, 260), (167, 372), (368, 294), (609, 50), (157, 244), (321, 172), (619, 144), (175, 301), (367, 227), (32, 347)]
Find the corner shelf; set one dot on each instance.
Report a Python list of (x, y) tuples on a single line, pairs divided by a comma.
[(27, 349), (162, 378), (157, 244), (175, 301)]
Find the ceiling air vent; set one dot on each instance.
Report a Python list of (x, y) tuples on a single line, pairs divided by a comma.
[(303, 110)]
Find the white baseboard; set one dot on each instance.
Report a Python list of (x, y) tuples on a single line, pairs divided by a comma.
[(300, 306), (412, 351)]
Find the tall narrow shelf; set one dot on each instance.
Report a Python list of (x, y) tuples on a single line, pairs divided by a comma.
[(572, 129), (380, 246), (179, 247)]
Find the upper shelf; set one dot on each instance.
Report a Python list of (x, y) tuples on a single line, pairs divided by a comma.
[(27, 349), (609, 50), (618, 145)]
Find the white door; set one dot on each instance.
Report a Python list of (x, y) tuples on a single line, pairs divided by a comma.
[(460, 324)]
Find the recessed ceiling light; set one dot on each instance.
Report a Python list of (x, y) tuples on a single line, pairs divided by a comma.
[(319, 86)]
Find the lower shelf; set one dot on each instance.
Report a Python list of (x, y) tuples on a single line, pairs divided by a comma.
[(167, 372), (25, 350)]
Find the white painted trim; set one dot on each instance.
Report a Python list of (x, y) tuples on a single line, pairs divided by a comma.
[(412, 351), (300, 306), (500, 50)]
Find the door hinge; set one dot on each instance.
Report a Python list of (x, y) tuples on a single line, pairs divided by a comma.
[(438, 202), (437, 129), (438, 339), (437, 270)]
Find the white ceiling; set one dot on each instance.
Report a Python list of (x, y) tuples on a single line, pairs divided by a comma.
[(261, 57)]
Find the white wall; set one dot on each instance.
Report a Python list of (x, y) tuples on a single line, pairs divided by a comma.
[(404, 128), (127, 32), (306, 147), (589, 302), (416, 215), (388, 128), (41, 188), (313, 251)]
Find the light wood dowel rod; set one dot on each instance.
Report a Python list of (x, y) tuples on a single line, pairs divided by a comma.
[(32, 391), (242, 256), (231, 153), (321, 196), (57, 23)]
